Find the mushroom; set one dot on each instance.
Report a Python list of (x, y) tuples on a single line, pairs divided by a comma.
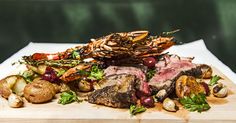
[(161, 95), (169, 105), (220, 90), (85, 86), (15, 101), (206, 71)]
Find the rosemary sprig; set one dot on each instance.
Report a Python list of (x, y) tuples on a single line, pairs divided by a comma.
[(53, 63)]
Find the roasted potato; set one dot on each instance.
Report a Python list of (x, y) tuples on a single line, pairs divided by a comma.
[(39, 91), (13, 83), (19, 86), (62, 87), (5, 91), (185, 85)]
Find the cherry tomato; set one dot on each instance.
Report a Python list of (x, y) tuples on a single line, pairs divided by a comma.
[(149, 62)]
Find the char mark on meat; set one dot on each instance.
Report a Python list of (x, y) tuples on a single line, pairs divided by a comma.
[(138, 72), (116, 91)]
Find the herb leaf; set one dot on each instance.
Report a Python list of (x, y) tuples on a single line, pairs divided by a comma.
[(171, 32), (83, 72), (96, 73), (150, 73), (133, 109), (214, 80), (28, 75), (60, 72), (68, 97), (75, 55), (195, 102)]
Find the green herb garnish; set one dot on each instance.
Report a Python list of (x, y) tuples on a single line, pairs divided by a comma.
[(68, 97), (60, 72), (28, 75), (150, 73), (53, 63), (75, 55), (195, 102), (83, 72), (214, 80), (96, 73), (133, 109)]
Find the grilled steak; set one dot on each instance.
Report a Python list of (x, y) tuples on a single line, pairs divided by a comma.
[(168, 70), (112, 70), (116, 91), (142, 86)]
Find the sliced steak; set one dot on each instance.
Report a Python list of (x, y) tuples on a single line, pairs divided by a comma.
[(116, 91), (112, 70), (142, 86), (169, 69)]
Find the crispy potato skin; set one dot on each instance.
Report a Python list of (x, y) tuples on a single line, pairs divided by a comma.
[(7, 84), (39, 91), (5, 91)]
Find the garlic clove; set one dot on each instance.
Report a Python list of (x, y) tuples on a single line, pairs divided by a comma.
[(169, 105), (161, 95)]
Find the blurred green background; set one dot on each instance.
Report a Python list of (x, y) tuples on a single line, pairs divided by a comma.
[(24, 21)]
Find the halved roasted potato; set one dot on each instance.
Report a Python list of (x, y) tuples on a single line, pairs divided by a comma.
[(13, 83)]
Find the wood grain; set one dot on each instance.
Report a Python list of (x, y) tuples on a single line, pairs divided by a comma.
[(222, 110)]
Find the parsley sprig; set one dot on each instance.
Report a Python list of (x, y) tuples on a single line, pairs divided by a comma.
[(68, 97), (195, 102), (75, 55), (133, 109), (96, 73), (214, 80)]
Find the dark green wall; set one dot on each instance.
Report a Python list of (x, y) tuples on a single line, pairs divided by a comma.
[(23, 21)]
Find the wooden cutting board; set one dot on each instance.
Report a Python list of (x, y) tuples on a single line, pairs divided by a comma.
[(222, 110)]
